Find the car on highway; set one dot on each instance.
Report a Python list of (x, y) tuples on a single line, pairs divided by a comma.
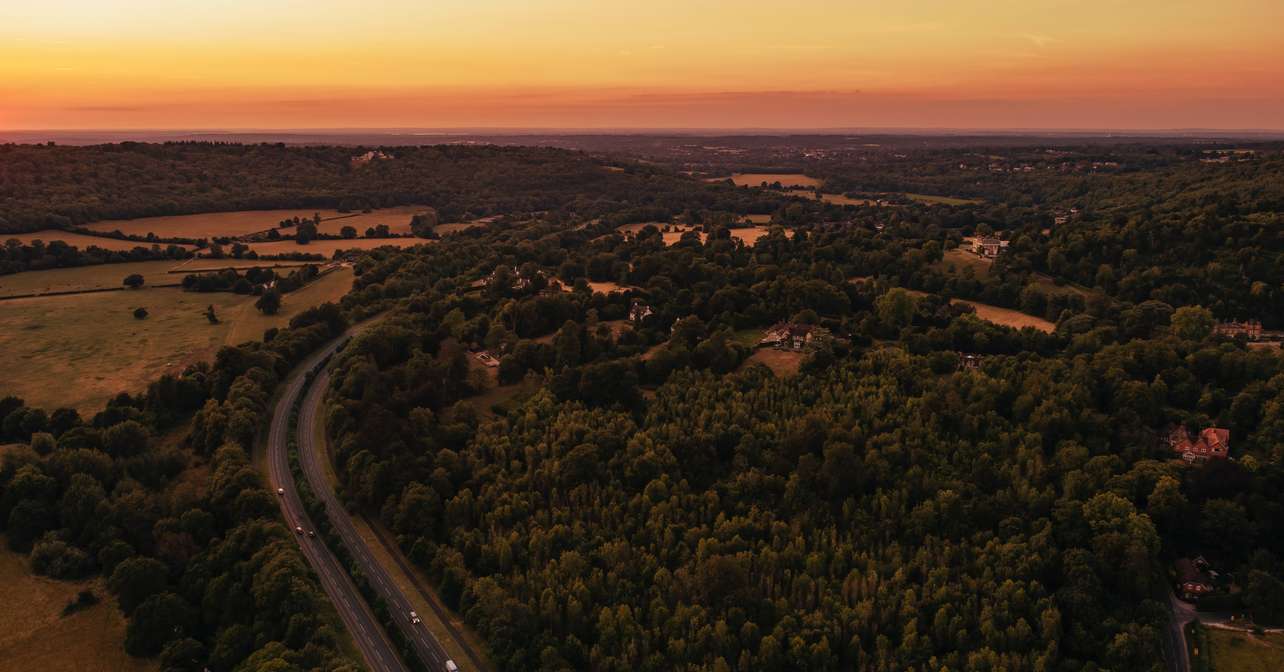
[(298, 529), (280, 491), (451, 666), (414, 618), (312, 534)]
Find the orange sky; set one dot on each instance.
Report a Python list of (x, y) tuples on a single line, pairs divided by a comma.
[(190, 64)]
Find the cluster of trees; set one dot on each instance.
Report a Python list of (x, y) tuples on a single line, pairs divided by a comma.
[(254, 280), (16, 256), (205, 573)]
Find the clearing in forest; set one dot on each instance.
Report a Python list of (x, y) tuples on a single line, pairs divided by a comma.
[(1235, 651), (786, 180), (1008, 317)]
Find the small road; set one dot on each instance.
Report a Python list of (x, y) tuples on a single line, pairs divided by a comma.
[(311, 457), (378, 651), (1176, 651)]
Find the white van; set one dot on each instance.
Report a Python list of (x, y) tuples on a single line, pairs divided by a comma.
[(451, 666)]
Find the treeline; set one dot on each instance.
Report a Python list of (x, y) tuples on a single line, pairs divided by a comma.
[(252, 281), (52, 186), (16, 257), (205, 573)]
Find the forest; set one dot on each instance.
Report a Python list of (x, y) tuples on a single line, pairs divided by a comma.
[(646, 496)]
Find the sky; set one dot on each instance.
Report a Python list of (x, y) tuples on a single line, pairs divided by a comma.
[(965, 64)]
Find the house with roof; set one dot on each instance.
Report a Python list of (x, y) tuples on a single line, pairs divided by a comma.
[(1249, 329), (988, 247), (639, 311), (1211, 443), (793, 336), (1192, 578)]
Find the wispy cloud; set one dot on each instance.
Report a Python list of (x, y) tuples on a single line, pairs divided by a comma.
[(1039, 40)]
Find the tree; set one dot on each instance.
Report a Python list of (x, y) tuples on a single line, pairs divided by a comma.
[(896, 307), (137, 579), (140, 313), (210, 315), (1193, 323), (159, 620), (348, 232), (134, 280), (269, 303)]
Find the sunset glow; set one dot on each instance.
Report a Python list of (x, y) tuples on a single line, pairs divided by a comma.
[(132, 64)]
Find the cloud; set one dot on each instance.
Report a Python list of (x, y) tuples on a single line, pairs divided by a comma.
[(1039, 40)]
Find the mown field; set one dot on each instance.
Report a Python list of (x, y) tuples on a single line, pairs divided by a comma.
[(786, 180), (79, 350), (243, 222), (1008, 317), (34, 635), (749, 234)]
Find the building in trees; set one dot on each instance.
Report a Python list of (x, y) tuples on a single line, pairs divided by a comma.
[(639, 311), (988, 247), (1211, 443), (1250, 329), (793, 336), (1193, 581)]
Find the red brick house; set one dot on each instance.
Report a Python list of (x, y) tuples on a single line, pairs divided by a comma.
[(1212, 443), (1192, 581)]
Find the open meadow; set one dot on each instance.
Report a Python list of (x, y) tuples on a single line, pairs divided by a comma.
[(79, 350), (1008, 317), (240, 223), (786, 180), (748, 234), (35, 635)]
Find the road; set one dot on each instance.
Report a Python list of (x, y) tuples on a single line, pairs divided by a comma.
[(1175, 649), (429, 650), (376, 648)]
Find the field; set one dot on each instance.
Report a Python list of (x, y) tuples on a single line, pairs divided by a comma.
[(749, 235), (1243, 652), (599, 287), (783, 363), (758, 219), (47, 343), (327, 248), (942, 200), (1008, 317), (958, 259), (105, 276), (78, 240), (35, 636), (786, 180), (239, 223)]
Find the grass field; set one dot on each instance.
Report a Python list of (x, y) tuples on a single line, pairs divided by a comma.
[(1244, 652), (783, 363), (958, 259), (248, 324), (942, 200), (239, 223), (35, 636), (79, 240), (327, 248), (80, 350), (749, 235), (1008, 317), (102, 276), (785, 179)]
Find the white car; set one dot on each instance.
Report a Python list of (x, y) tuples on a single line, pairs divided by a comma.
[(298, 529), (280, 491), (451, 666), (414, 618)]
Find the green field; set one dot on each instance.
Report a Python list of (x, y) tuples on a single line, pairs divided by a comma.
[(81, 349), (242, 222), (941, 200), (1232, 651)]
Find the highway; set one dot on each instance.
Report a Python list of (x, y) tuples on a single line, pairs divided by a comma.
[(1175, 648), (379, 653), (429, 650)]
